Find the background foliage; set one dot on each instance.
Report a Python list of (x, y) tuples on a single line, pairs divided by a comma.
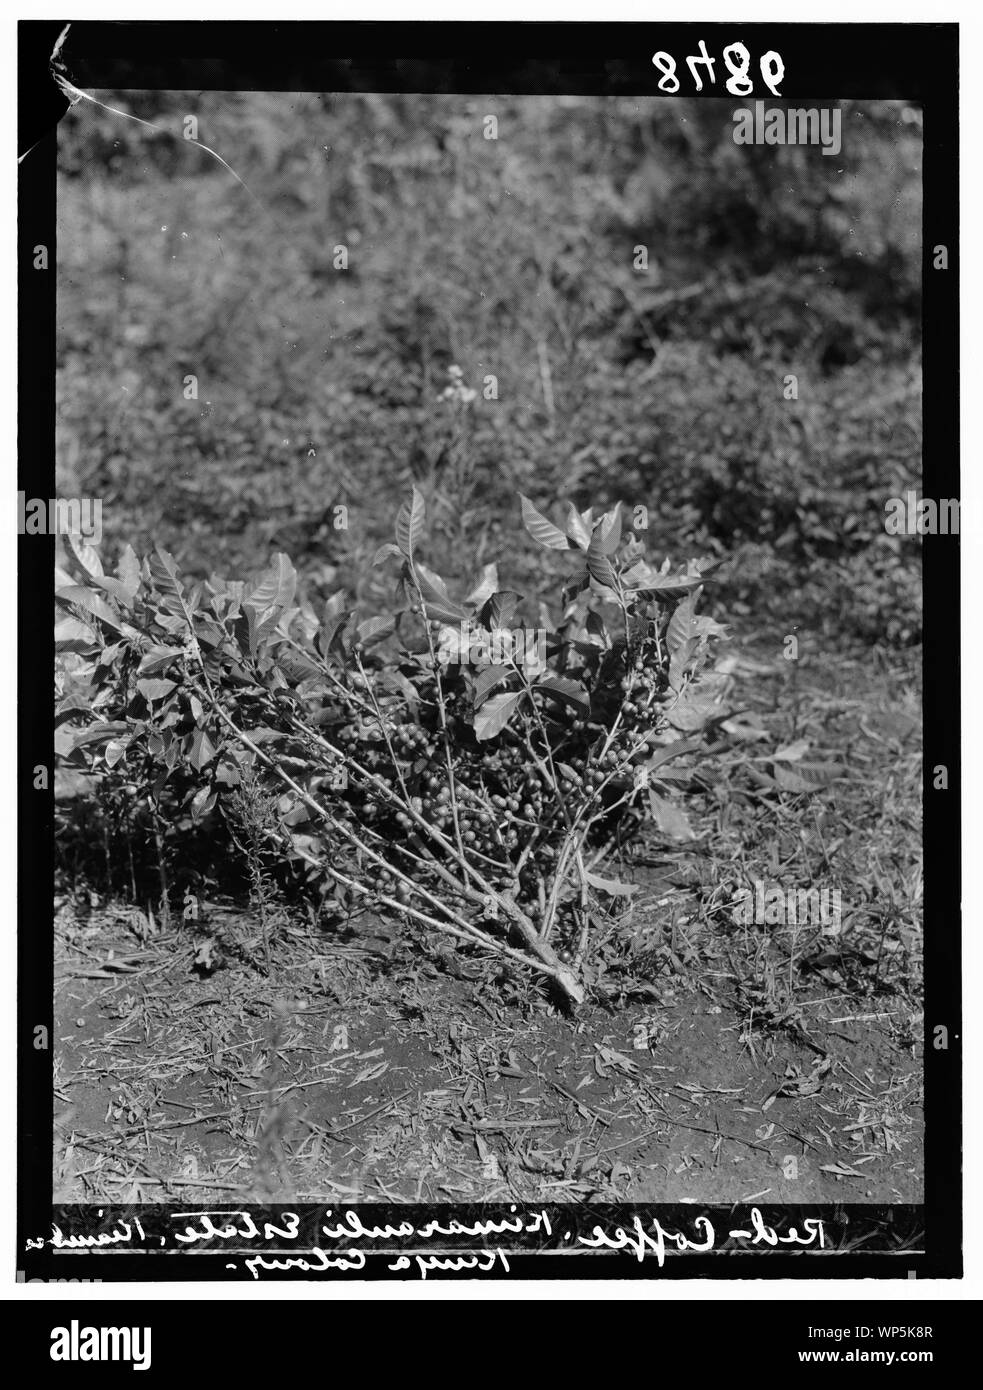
[(512, 257)]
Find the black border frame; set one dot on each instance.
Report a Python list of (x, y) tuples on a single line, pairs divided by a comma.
[(914, 62)]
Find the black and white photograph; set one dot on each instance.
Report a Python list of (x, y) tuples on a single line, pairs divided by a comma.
[(501, 511)]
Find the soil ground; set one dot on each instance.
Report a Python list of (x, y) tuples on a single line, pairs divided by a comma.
[(369, 1063)]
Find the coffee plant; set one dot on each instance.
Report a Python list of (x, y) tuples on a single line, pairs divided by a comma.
[(442, 762)]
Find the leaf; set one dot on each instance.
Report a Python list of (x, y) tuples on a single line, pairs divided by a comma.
[(439, 607), (202, 802), (155, 690), (128, 570), (100, 732), (617, 1059), (576, 529), (73, 635), (792, 752), (643, 580), (485, 587), (163, 571), (335, 618), (669, 819), (612, 886), (115, 751), (384, 552), (599, 567), (374, 630), (808, 777), (157, 659), (572, 590), (486, 681), (437, 584), (570, 691), (409, 523), (498, 611), (296, 666), (680, 661), (391, 679), (87, 555), (277, 587), (92, 603), (494, 714), (607, 532), (673, 750), (540, 528), (681, 626), (202, 749), (693, 710), (116, 588)]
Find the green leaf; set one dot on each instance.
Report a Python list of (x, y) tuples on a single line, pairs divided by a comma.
[(540, 528), (296, 666), (163, 571), (792, 752), (155, 690), (374, 630), (336, 618), (409, 523), (202, 802), (116, 588), (607, 532), (612, 886), (384, 552), (439, 608), (128, 571), (569, 691), (115, 751), (498, 611), (681, 624), (672, 750), (277, 587), (494, 714), (92, 603), (646, 582), (576, 529), (86, 554), (100, 732), (806, 777), (692, 710), (486, 681), (157, 659), (669, 819), (202, 749), (485, 587), (599, 568), (71, 635)]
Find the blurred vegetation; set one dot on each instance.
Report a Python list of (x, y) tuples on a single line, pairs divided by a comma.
[(513, 257)]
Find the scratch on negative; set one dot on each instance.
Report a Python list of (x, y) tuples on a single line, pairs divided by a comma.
[(75, 95)]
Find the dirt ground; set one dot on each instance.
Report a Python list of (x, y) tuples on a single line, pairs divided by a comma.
[(364, 1061), (172, 1083)]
